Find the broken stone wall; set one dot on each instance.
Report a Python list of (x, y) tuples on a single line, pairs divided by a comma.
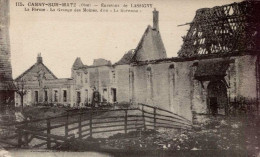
[(177, 100), (122, 81)]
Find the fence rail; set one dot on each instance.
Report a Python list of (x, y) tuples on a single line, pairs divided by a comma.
[(155, 117), (91, 123)]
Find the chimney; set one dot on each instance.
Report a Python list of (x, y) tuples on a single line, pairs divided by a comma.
[(155, 19), (39, 58)]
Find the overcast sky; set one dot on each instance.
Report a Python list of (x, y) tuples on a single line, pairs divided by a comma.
[(61, 37)]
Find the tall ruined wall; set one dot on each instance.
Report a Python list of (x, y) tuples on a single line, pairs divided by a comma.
[(246, 76), (160, 85), (140, 81), (5, 65), (175, 88), (168, 92), (93, 77), (6, 80), (184, 88), (104, 75), (122, 83)]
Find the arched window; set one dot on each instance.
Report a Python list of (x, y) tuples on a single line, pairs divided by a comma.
[(171, 78), (171, 66), (149, 83), (132, 85)]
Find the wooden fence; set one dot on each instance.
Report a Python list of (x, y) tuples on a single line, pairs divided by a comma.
[(155, 117), (91, 123), (243, 105)]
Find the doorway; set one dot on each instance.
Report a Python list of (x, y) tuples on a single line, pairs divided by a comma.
[(36, 97), (217, 98), (78, 98), (113, 92)]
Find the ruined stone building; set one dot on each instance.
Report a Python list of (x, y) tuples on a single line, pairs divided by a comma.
[(6, 80), (217, 63)]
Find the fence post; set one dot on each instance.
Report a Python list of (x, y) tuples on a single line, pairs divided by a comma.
[(126, 121), (80, 128), (143, 116), (26, 133), (67, 126), (90, 123), (154, 118), (257, 106), (19, 132), (48, 133)]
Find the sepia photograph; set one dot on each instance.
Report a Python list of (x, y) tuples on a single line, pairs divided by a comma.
[(129, 78)]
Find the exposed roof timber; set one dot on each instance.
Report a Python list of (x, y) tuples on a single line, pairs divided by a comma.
[(225, 29)]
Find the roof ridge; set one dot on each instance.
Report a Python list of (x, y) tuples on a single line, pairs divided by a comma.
[(35, 64), (140, 42)]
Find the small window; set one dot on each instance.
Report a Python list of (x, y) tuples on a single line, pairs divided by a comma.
[(149, 83), (171, 66), (64, 96), (55, 96), (45, 95), (78, 97)]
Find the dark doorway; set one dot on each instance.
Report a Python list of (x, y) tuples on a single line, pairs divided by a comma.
[(64, 96), (213, 105), (113, 92), (78, 98), (36, 96), (217, 98)]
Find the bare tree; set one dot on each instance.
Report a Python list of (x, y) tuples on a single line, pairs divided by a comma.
[(20, 89)]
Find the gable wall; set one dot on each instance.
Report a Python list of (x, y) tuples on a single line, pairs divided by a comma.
[(34, 72)]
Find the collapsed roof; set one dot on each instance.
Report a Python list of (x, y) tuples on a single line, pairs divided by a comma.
[(126, 59), (232, 28)]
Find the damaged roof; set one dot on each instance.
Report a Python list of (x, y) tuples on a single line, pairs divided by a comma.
[(232, 28), (126, 59), (101, 62)]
